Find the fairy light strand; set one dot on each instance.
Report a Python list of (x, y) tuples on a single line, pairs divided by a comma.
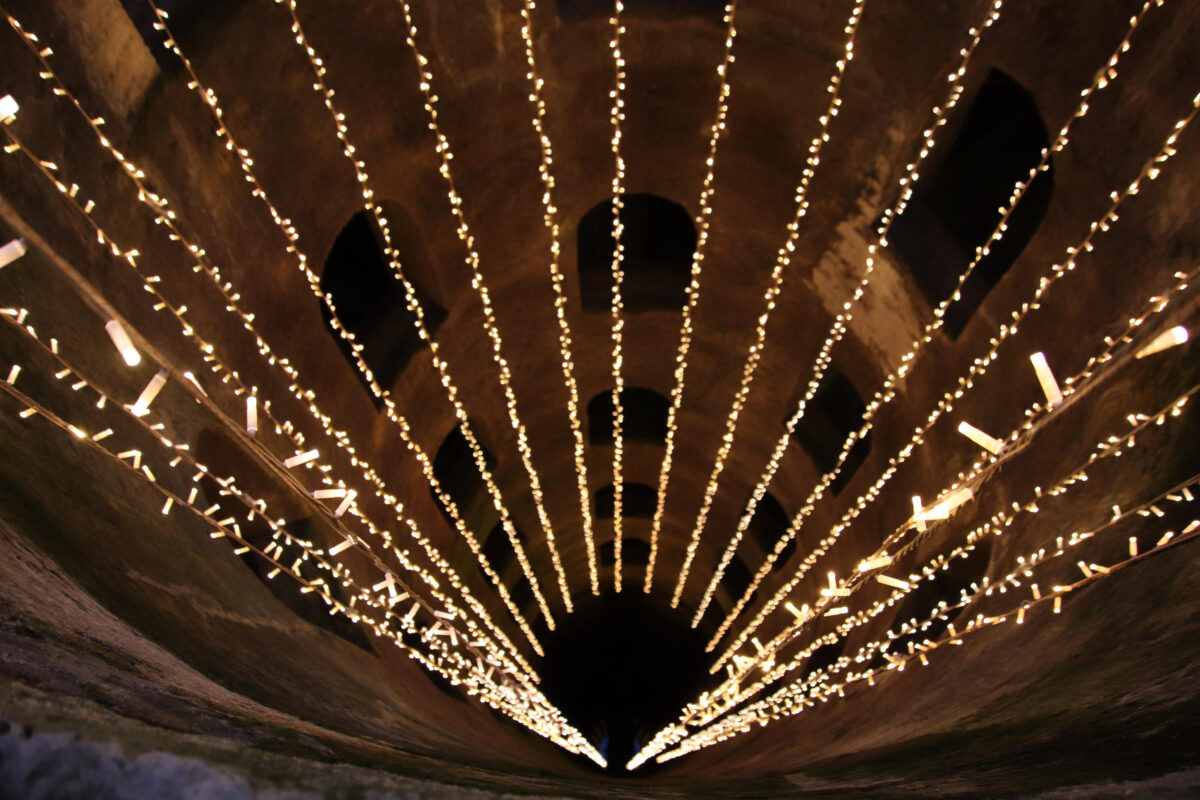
[(782, 261), (164, 216), (616, 114), (841, 323), (546, 172), (1150, 171), (686, 328)]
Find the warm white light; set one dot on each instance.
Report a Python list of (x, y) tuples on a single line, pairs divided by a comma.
[(1046, 379), (252, 414), (11, 252), (300, 458), (1164, 341), (142, 405), (123, 344), (989, 443), (8, 108)]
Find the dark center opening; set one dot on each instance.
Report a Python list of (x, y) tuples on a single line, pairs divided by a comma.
[(620, 668)]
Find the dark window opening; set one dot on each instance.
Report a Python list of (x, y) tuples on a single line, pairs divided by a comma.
[(835, 412), (948, 586), (769, 523), (823, 657), (954, 208), (634, 552), (637, 500), (456, 471), (644, 416), (582, 10), (659, 239), (736, 579), (522, 595), (183, 16), (789, 550), (371, 304), (498, 549), (225, 459)]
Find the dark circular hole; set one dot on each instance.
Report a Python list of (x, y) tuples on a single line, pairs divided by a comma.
[(620, 668)]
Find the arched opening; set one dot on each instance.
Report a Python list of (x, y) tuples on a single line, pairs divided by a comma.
[(737, 579), (644, 413), (634, 552), (582, 10), (498, 550), (835, 412), (659, 239), (224, 458), (946, 588), (954, 208), (456, 471), (637, 500), (371, 303)]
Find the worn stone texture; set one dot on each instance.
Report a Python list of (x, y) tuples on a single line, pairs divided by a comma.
[(140, 658)]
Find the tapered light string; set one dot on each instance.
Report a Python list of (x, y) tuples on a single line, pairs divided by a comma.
[(1149, 171), (714, 703), (703, 222), (1110, 446), (1035, 417), (817, 688), (617, 311), (782, 261), (93, 298), (246, 163), (841, 322), (207, 350), (258, 508), (546, 172), (473, 262)]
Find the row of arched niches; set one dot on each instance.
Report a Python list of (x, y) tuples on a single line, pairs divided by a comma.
[(993, 141)]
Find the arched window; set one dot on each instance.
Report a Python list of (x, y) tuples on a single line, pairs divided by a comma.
[(955, 207), (768, 525), (737, 578), (637, 500), (659, 240), (644, 412), (498, 550), (582, 10), (947, 586), (456, 471), (225, 459), (832, 415), (634, 552), (371, 303)]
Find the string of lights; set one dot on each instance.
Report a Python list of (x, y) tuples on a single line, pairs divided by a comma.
[(94, 299), (546, 172), (159, 206), (284, 225), (888, 555), (686, 327), (443, 148), (617, 113), (782, 261), (1098, 368), (1150, 170), (472, 260), (229, 528), (730, 695), (939, 115), (817, 688)]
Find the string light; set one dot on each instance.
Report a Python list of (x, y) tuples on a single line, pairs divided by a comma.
[(1149, 171), (1172, 338), (120, 340), (159, 206), (939, 116), (703, 221), (782, 261), (472, 260), (11, 252), (616, 114), (546, 172), (729, 695), (538, 722)]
